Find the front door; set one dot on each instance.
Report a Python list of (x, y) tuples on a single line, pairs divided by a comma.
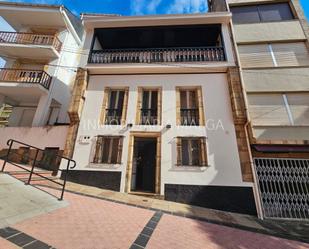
[(144, 165)]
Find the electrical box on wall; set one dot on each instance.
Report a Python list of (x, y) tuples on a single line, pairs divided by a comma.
[(84, 139)]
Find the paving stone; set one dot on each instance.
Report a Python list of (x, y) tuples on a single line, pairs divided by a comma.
[(7, 232), (21, 239), (37, 245)]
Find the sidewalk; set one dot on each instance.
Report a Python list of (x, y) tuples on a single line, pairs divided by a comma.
[(294, 230), (93, 223)]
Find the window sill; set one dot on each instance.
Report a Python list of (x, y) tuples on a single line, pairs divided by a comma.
[(103, 166), (184, 168)]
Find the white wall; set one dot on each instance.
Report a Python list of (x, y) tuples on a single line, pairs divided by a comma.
[(41, 137), (224, 165)]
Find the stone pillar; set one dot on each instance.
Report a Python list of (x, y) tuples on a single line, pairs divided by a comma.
[(75, 110), (240, 119), (42, 111)]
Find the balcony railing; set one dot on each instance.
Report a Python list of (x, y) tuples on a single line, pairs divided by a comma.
[(113, 117), (30, 38), (25, 76), (153, 55), (149, 117), (189, 117)]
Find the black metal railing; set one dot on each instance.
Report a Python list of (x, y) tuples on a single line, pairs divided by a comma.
[(35, 162), (189, 117), (149, 116), (25, 76), (113, 116), (153, 55)]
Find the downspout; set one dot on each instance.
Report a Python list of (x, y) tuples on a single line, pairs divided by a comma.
[(256, 192)]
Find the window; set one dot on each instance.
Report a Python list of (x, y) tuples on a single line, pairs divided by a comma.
[(279, 109), (262, 13), (149, 106), (108, 150), (149, 111), (114, 106), (274, 55), (191, 151), (190, 106)]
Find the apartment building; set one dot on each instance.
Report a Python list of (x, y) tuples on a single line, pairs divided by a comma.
[(36, 81), (154, 110), (272, 46)]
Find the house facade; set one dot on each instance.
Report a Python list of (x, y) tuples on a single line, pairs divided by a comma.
[(41, 58), (271, 40), (154, 109)]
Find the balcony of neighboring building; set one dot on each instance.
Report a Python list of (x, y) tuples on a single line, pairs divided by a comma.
[(24, 81), (29, 45)]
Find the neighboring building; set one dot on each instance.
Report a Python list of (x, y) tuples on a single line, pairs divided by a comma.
[(36, 82), (155, 107), (272, 46)]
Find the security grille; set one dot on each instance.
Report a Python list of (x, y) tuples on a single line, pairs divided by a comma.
[(284, 187)]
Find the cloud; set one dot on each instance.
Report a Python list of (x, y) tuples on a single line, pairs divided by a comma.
[(187, 6), (144, 7)]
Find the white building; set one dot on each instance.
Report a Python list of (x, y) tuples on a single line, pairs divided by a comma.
[(36, 82), (157, 117)]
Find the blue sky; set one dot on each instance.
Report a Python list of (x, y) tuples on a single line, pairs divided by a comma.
[(136, 7)]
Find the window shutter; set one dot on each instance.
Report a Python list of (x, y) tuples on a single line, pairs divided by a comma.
[(139, 105), (178, 120), (96, 150), (179, 151), (159, 106), (200, 106), (120, 145), (203, 152), (125, 105), (104, 104)]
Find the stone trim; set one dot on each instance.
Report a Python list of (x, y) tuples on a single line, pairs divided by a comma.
[(156, 135)]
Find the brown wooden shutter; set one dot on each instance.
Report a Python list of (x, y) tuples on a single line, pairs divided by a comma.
[(125, 106), (179, 151), (178, 119), (96, 150), (159, 106), (257, 55), (120, 145), (139, 105), (200, 106), (203, 151), (104, 104)]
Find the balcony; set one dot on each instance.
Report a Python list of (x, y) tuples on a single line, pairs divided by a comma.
[(181, 54), (113, 117), (146, 49), (149, 116), (189, 117), (29, 45), (25, 76)]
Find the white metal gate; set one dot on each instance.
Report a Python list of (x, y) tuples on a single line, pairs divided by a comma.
[(284, 187)]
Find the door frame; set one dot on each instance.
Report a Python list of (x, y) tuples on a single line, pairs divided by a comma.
[(134, 134)]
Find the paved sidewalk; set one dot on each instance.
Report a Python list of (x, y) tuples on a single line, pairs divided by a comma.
[(284, 229), (19, 202), (91, 223)]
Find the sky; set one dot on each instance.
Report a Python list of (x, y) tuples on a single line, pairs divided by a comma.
[(136, 7)]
